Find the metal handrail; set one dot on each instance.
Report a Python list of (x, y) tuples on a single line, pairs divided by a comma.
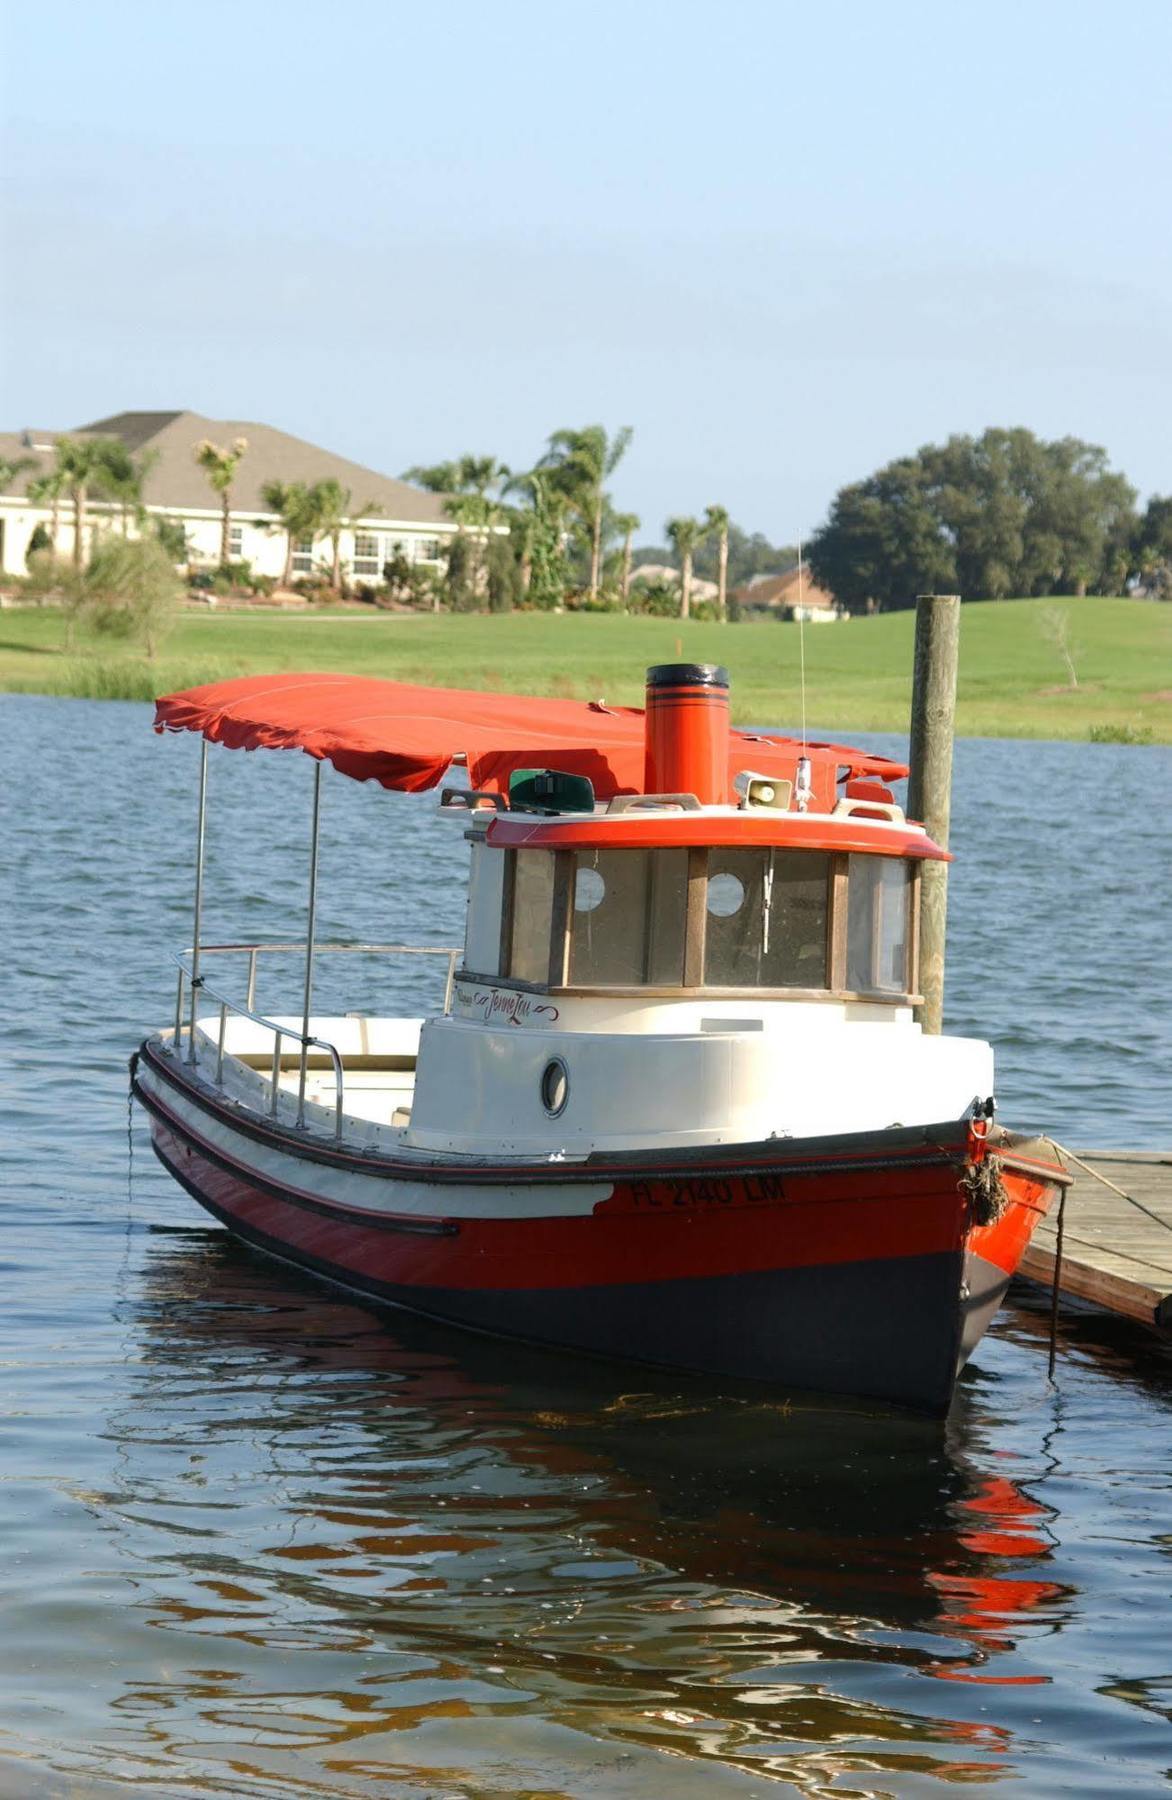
[(199, 985), (452, 952)]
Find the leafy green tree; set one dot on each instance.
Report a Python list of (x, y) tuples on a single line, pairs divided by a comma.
[(999, 515), (1151, 545), (716, 524), (683, 535), (220, 466), (883, 543), (581, 463)]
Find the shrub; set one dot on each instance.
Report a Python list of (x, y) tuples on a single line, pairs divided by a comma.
[(504, 575), (1120, 734), (45, 576), (172, 534), (461, 584), (659, 599), (130, 589), (39, 544)]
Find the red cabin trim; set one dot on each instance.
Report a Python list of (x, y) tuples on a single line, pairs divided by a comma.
[(760, 828)]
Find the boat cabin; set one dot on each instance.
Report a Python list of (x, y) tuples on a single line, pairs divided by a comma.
[(742, 915)]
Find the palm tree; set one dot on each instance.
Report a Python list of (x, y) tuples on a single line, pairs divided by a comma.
[(716, 524), (540, 533), (472, 487), (50, 490), (329, 511), (124, 478), (220, 467), (628, 524), (585, 460), (11, 467), (685, 534), (289, 500), (85, 466), (437, 478), (467, 478)]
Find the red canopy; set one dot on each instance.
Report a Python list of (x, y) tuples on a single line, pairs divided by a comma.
[(408, 737)]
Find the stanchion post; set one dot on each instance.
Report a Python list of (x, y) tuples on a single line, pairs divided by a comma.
[(933, 728), (310, 933), (197, 926)]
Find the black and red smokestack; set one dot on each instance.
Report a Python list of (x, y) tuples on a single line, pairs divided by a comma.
[(686, 732)]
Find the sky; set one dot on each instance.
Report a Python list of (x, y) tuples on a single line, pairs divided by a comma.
[(783, 243)]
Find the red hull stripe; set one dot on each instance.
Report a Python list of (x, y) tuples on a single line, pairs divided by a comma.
[(908, 1215)]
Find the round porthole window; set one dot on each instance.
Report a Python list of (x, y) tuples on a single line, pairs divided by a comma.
[(726, 895), (555, 1086), (589, 889)]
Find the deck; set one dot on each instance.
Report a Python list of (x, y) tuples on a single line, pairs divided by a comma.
[(1114, 1254)]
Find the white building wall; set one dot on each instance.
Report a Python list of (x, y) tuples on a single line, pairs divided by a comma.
[(261, 544)]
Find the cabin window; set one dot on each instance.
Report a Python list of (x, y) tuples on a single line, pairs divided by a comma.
[(767, 919), (628, 917), (878, 916), (533, 888)]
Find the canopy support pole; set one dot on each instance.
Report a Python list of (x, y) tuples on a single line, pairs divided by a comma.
[(201, 821), (311, 927)]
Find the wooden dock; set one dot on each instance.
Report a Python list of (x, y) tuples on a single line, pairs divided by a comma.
[(1114, 1254)]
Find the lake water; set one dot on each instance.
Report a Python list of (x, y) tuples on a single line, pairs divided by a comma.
[(258, 1541)]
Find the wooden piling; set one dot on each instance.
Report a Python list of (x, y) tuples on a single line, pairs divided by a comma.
[(933, 726)]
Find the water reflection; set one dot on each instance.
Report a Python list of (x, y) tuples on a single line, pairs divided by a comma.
[(431, 1529)]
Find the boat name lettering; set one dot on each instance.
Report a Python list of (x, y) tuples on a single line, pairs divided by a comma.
[(507, 1005), (714, 1191)]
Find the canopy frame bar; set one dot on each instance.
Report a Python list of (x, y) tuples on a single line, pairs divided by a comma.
[(200, 834), (310, 930)]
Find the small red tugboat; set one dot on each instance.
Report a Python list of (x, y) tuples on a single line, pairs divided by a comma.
[(676, 1107)]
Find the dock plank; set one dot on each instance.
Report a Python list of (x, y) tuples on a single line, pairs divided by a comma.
[(1114, 1253)]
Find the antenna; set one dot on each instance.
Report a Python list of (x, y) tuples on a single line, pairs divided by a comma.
[(803, 784), (802, 638)]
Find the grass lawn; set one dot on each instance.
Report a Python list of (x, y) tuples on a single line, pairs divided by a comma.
[(1013, 682)]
